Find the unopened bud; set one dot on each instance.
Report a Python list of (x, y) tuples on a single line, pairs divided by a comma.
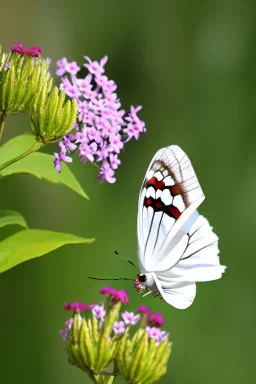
[(51, 116)]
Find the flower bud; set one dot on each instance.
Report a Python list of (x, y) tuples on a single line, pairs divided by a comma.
[(141, 360), (90, 346), (22, 74), (52, 117)]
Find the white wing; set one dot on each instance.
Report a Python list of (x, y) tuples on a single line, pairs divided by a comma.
[(169, 196), (199, 261)]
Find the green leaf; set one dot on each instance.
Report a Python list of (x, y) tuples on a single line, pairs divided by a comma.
[(37, 164), (30, 243), (11, 217)]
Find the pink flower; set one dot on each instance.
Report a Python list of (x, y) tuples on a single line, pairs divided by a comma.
[(119, 327), (18, 48), (130, 318), (163, 335), (31, 51), (153, 332), (99, 312), (72, 68), (78, 306), (144, 309), (61, 64), (114, 161), (116, 295), (64, 332), (157, 334), (156, 319), (103, 127), (94, 67), (106, 173)]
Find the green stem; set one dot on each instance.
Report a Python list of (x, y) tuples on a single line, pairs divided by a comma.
[(102, 378), (34, 148), (2, 122), (92, 377)]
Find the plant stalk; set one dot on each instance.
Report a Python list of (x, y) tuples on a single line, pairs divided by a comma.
[(34, 148), (102, 378), (2, 122)]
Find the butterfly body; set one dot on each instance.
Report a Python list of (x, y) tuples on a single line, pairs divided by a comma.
[(176, 245)]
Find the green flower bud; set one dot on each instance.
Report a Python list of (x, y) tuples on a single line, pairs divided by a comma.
[(51, 117), (141, 360), (21, 76), (90, 346)]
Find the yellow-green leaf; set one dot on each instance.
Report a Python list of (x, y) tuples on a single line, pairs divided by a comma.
[(37, 164), (11, 217), (30, 243)]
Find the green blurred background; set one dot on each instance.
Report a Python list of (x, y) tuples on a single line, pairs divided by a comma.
[(191, 64)]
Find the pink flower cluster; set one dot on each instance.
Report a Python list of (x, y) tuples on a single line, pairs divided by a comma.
[(31, 51), (155, 319), (102, 127), (116, 295), (78, 306), (157, 334)]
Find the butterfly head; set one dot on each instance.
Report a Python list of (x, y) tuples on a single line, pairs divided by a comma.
[(144, 281), (138, 282)]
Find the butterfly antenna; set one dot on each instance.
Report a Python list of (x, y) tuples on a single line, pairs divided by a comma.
[(129, 261), (119, 278)]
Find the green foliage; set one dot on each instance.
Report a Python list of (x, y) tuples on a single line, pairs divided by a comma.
[(30, 243), (37, 164), (11, 217)]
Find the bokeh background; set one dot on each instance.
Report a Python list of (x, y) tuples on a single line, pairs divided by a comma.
[(191, 64)]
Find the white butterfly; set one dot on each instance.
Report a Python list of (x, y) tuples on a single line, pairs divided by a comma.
[(176, 245)]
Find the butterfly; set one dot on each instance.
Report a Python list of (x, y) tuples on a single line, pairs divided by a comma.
[(176, 245)]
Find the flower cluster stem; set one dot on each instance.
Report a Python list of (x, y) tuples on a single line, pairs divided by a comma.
[(2, 122), (102, 379), (32, 149)]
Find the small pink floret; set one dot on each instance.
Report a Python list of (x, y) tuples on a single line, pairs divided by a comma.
[(31, 51), (156, 320), (144, 309), (78, 306), (116, 295)]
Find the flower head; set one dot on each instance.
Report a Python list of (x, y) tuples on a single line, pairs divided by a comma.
[(99, 312), (22, 75), (103, 127), (157, 334), (99, 339), (116, 295), (144, 309), (130, 317), (119, 327), (78, 306), (31, 51), (156, 319), (18, 48)]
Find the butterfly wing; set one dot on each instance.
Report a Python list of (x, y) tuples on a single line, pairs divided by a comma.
[(175, 244), (199, 261), (169, 197)]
